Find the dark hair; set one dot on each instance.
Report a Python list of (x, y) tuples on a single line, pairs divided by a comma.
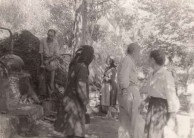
[(52, 30), (84, 54), (132, 47), (112, 63), (159, 56)]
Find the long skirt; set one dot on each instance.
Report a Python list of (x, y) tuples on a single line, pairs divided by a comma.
[(113, 93), (157, 118), (105, 97), (71, 118)]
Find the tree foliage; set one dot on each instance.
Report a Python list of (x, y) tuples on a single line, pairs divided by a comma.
[(112, 24)]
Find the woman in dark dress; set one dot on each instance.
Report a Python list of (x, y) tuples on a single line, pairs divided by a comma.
[(77, 94), (113, 91)]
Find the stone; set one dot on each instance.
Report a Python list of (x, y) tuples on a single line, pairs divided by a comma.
[(27, 116), (33, 111), (8, 125)]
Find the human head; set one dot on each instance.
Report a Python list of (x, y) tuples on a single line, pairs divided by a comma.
[(112, 62), (157, 58), (51, 34), (85, 54), (133, 50)]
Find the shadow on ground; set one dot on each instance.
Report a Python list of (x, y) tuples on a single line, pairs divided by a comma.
[(99, 127)]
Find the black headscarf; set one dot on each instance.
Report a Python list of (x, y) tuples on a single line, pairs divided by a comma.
[(112, 63), (84, 54)]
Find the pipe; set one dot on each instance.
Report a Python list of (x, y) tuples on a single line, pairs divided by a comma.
[(11, 37)]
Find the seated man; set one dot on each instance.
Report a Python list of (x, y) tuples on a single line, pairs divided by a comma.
[(49, 50)]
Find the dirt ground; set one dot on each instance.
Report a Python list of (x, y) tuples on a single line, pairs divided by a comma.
[(102, 127), (99, 127)]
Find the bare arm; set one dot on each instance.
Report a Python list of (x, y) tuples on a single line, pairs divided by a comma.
[(172, 99)]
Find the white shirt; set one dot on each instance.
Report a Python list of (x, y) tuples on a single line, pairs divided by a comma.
[(162, 85)]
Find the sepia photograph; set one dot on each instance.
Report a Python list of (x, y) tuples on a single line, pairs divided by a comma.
[(96, 68)]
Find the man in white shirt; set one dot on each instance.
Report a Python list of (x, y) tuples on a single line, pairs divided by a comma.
[(129, 96), (49, 50)]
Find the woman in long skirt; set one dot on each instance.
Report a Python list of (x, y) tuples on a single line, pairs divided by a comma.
[(109, 88), (163, 101), (114, 87)]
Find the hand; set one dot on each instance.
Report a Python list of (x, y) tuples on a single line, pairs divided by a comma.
[(88, 109), (172, 115), (129, 94), (85, 105), (172, 120), (124, 91), (141, 106)]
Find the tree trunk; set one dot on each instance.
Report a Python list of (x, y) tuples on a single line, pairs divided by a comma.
[(80, 24), (84, 23)]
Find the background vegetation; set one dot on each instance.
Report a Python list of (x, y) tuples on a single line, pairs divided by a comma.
[(109, 25)]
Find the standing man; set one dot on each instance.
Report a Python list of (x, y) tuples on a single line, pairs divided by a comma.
[(49, 51), (128, 96)]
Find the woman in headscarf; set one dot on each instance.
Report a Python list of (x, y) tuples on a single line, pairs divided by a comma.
[(109, 89), (162, 100), (76, 95)]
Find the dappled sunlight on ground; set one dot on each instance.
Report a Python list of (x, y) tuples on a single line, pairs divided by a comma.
[(102, 127)]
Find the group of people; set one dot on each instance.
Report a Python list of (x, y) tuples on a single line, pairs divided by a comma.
[(162, 99), (71, 116), (120, 84), (162, 102), (109, 88)]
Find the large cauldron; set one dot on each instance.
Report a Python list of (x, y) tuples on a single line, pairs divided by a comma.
[(13, 63), (14, 84)]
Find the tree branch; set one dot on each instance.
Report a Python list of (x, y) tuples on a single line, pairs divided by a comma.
[(103, 2), (115, 4)]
